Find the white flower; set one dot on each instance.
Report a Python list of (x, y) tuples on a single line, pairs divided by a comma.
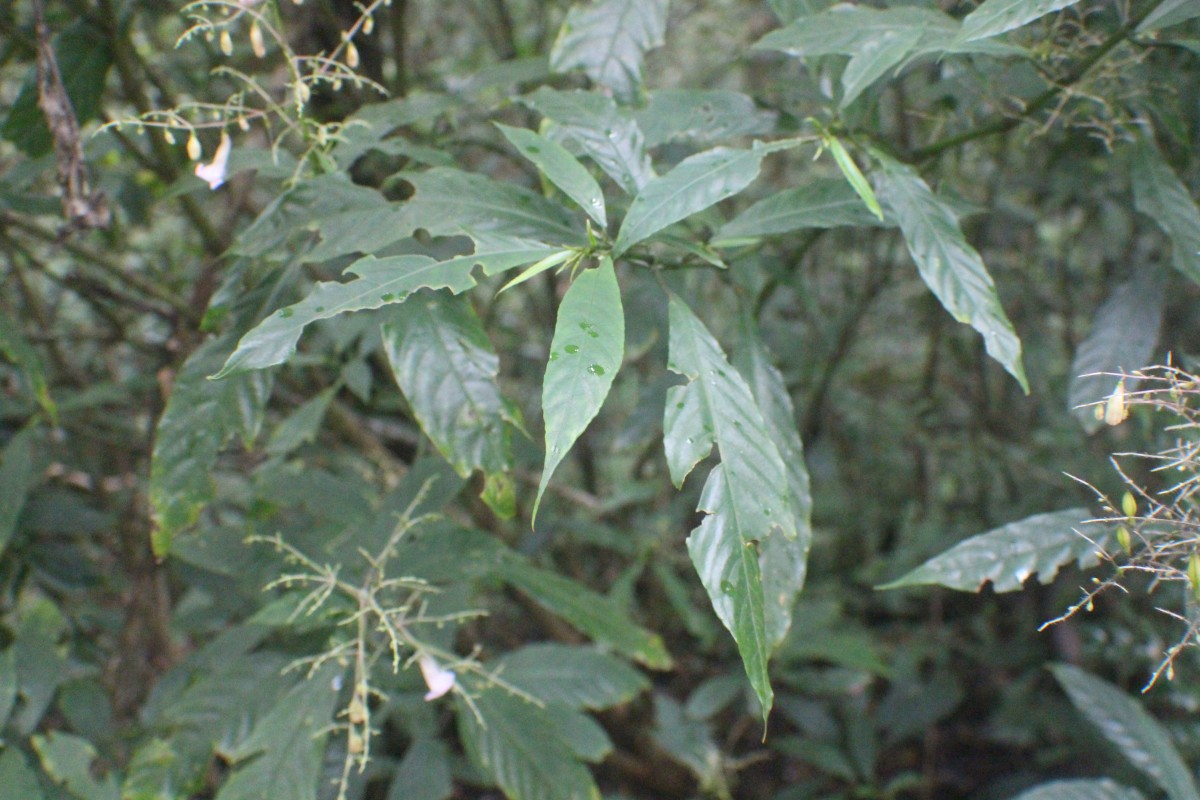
[(213, 173), (438, 680)]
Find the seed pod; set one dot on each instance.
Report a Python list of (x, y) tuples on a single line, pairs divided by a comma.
[(368, 26), (1124, 539), (1128, 505), (354, 742), (226, 43), (168, 136), (194, 150), (1115, 410), (256, 40), (1193, 574), (351, 55), (357, 713)]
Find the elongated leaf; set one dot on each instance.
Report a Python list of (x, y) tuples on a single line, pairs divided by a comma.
[(17, 777), (423, 773), (853, 175), (1082, 789), (381, 281), (588, 345), (199, 419), (822, 203), (561, 169), (696, 183), (1123, 335), (20, 473), (68, 760), (576, 677), (1171, 12), (607, 39), (1159, 194), (950, 267), (1012, 553), (994, 17), (747, 497), (874, 58), (517, 743), (593, 614), (602, 132), (446, 367), (1123, 721), (701, 115), (288, 743), (16, 349)]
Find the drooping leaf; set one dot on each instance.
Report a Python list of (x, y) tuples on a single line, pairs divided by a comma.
[(446, 367), (380, 282), (1008, 555), (853, 175), (423, 773), (950, 267), (576, 677), (1159, 194), (593, 614), (994, 17), (822, 203), (874, 58), (701, 115), (560, 168), (1123, 721), (20, 473), (1123, 335), (607, 135), (696, 183), (585, 354), (68, 760), (200, 417), (607, 39), (282, 755), (747, 497), (1081, 789), (302, 425)]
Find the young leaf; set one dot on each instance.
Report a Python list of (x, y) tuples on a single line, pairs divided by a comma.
[(950, 267), (854, 176), (1123, 721), (747, 497), (701, 115), (585, 354), (822, 203), (560, 168), (381, 281), (1010, 554), (1081, 789), (607, 39), (604, 133), (575, 677), (1159, 194), (994, 17), (446, 367), (696, 183)]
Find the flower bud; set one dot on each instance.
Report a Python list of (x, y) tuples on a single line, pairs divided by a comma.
[(256, 40), (226, 43)]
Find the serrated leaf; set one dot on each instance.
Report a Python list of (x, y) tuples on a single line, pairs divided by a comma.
[(607, 135), (516, 743), (1009, 555), (444, 363), (1082, 789), (994, 17), (950, 267), (380, 282), (68, 760), (560, 168), (585, 354), (694, 184), (1123, 721), (575, 677), (593, 614), (747, 497), (608, 39), (1123, 335), (701, 115), (821, 203), (199, 419), (1159, 194), (286, 744)]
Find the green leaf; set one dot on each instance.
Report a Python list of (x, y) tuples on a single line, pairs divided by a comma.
[(607, 135), (822, 203), (950, 267), (444, 363), (1159, 194), (747, 497), (575, 677), (1123, 335), (696, 183), (701, 115), (689, 741), (17, 350), (1123, 721), (560, 168), (381, 281), (854, 176), (20, 473), (68, 761), (874, 58), (1171, 12), (150, 773), (423, 773), (1081, 789), (369, 127), (17, 777), (585, 354), (607, 39), (593, 614), (286, 744), (302, 425), (8, 685), (198, 420), (517, 743), (994, 17), (1010, 554)]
